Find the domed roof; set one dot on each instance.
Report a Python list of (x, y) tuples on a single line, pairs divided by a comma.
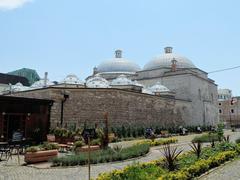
[(72, 79), (122, 80), (165, 60), (97, 82), (118, 64), (41, 84), (158, 88)]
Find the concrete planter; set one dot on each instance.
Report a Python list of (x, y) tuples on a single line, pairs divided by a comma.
[(40, 156)]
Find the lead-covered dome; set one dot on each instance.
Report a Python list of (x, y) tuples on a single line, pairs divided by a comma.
[(72, 79), (97, 82), (165, 61), (158, 88), (118, 64), (122, 80)]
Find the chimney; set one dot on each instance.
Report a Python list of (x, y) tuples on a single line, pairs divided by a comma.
[(168, 50), (45, 79), (118, 53), (174, 65), (95, 70)]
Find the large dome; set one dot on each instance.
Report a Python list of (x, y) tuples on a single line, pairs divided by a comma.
[(165, 61), (118, 64)]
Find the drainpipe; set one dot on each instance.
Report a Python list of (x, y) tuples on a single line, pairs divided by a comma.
[(65, 96)]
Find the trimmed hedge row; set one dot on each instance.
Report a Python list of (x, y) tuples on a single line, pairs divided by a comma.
[(200, 167), (159, 142), (103, 156), (191, 167)]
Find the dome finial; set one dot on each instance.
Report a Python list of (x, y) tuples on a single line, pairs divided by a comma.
[(118, 53), (168, 49)]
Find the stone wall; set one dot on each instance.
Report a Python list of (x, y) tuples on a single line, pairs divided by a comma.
[(124, 107)]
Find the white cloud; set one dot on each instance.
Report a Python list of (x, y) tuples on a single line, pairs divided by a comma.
[(12, 4)]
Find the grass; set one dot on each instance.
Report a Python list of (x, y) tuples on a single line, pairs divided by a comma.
[(103, 156)]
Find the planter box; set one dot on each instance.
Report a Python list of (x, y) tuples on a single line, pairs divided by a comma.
[(40, 156), (85, 148)]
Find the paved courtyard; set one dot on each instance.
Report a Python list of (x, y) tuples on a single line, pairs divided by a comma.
[(12, 171)]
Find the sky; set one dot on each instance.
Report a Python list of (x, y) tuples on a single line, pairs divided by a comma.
[(72, 36)]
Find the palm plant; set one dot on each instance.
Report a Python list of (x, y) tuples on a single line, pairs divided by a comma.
[(170, 155), (197, 148)]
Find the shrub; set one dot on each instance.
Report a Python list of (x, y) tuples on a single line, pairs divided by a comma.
[(159, 142), (206, 138), (197, 148), (48, 146), (32, 149), (78, 144), (237, 140), (170, 155), (102, 156)]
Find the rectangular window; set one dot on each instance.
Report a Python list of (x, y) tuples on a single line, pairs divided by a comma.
[(220, 111), (232, 111)]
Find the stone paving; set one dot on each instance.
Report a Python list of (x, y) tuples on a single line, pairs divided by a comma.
[(12, 171), (228, 172)]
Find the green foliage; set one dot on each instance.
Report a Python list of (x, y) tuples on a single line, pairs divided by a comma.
[(197, 148), (170, 155), (103, 156), (220, 131), (32, 149), (206, 138), (189, 166), (78, 144), (48, 146), (159, 142), (237, 140)]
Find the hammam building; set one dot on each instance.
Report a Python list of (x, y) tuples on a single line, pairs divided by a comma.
[(169, 91)]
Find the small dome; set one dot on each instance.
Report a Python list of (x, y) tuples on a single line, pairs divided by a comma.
[(72, 79), (147, 91), (41, 84), (158, 88), (97, 82), (118, 64), (165, 61), (122, 80)]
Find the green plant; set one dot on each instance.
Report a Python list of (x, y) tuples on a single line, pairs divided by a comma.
[(48, 146), (170, 155), (237, 140), (220, 131), (95, 142), (32, 149), (197, 148), (102, 156), (206, 138), (78, 144), (117, 148)]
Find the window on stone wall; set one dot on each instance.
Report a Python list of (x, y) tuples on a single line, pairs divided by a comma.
[(220, 111), (220, 104), (232, 111)]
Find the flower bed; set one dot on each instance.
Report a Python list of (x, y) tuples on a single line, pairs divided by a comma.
[(102, 156), (189, 166)]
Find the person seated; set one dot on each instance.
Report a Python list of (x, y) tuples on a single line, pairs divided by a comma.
[(17, 136)]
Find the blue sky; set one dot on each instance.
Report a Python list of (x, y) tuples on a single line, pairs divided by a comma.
[(73, 36)]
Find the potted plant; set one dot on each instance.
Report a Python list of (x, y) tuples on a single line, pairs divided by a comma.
[(41, 153)]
